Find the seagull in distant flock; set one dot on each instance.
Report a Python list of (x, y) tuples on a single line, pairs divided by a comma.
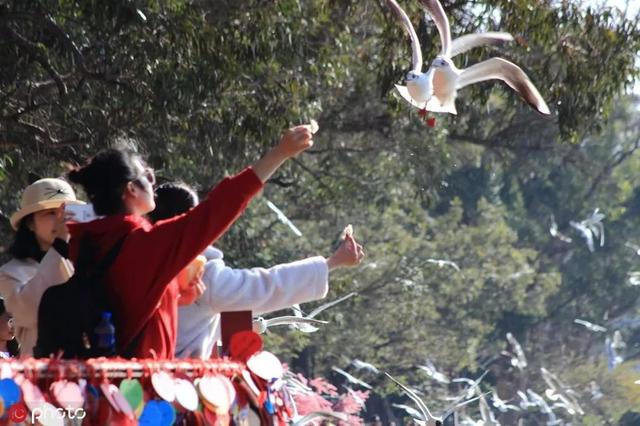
[(540, 402), (553, 230), (634, 278), (617, 342), (442, 263), (307, 328), (361, 365), (410, 411), (261, 325), (351, 378), (314, 415), (283, 218), (634, 247), (591, 326), (518, 360), (591, 229), (473, 384), (488, 417), (558, 391), (501, 404), (426, 418), (613, 359), (436, 90), (431, 371)]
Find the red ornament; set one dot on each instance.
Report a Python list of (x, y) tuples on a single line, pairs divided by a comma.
[(244, 344), (431, 122), (422, 113)]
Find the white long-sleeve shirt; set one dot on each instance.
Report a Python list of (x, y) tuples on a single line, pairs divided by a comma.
[(259, 290), (22, 283)]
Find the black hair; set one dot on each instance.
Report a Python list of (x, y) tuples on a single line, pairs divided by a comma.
[(13, 346), (172, 199), (105, 177), (25, 244)]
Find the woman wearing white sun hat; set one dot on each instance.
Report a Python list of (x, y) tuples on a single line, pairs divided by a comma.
[(39, 253)]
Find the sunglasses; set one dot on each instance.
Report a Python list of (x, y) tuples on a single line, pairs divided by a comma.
[(148, 175)]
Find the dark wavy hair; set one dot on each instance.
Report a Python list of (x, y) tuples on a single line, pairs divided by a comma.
[(172, 199), (105, 177), (25, 244), (13, 346)]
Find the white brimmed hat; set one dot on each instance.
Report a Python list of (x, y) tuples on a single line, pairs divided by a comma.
[(42, 195)]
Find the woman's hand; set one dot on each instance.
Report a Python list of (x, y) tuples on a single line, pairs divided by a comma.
[(349, 253), (294, 141), (193, 292)]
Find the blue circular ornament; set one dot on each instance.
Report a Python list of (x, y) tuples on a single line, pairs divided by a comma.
[(151, 415), (168, 413), (9, 391)]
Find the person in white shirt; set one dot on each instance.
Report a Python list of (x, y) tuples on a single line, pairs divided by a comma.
[(258, 289)]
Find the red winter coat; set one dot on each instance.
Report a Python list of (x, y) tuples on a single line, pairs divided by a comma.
[(141, 282)]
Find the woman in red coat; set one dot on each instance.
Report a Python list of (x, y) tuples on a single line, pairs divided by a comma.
[(141, 281)]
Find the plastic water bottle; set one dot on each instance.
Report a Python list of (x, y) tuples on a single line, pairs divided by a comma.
[(105, 335)]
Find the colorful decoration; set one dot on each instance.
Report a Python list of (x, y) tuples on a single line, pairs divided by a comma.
[(155, 392)]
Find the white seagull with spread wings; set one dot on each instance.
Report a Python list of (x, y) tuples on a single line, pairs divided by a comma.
[(308, 328), (436, 90), (427, 419)]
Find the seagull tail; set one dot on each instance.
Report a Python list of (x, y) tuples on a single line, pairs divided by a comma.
[(449, 106)]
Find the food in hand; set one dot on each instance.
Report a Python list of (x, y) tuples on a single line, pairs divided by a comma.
[(192, 270), (314, 126)]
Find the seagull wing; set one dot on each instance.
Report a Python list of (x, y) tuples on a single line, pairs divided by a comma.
[(410, 411), (404, 93), (455, 405), (462, 404), (351, 378), (284, 219), (292, 320), (426, 414), (470, 41), (321, 308), (510, 73), (343, 417), (435, 10), (416, 51)]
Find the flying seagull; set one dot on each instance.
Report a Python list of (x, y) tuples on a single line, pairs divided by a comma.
[(429, 419), (591, 326), (308, 328), (519, 360), (441, 263), (419, 87), (261, 325), (591, 228), (431, 371), (361, 365), (351, 378), (314, 415), (436, 90), (553, 230)]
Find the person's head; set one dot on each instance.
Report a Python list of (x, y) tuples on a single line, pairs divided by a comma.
[(36, 220), (8, 331), (117, 181), (172, 199)]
